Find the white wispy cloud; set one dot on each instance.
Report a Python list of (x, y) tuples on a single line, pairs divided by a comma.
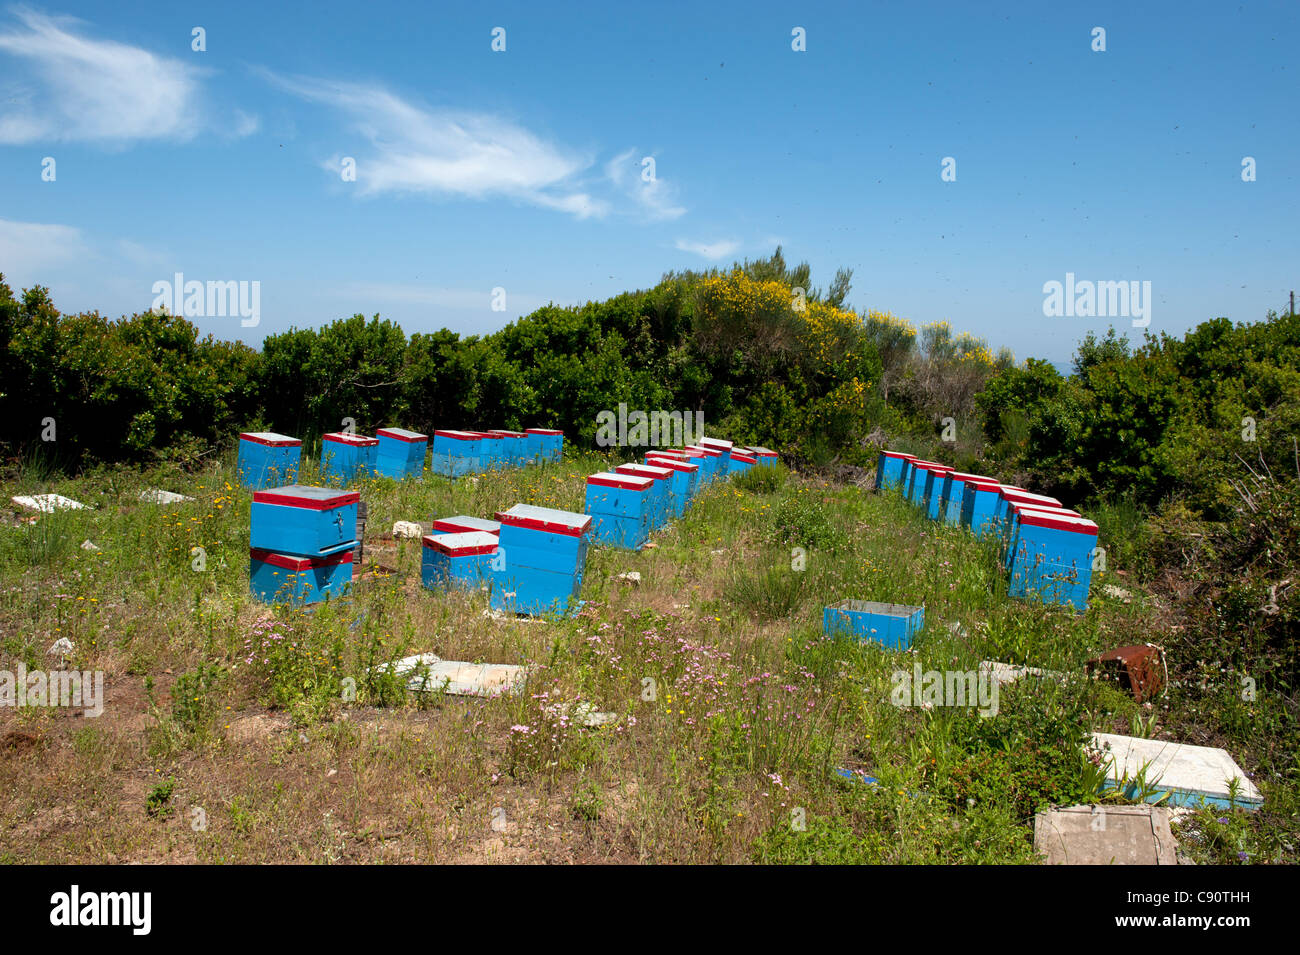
[(83, 88), (655, 199), (26, 248), (449, 152), (709, 250)]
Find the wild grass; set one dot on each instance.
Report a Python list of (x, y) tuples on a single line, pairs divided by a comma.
[(237, 732)]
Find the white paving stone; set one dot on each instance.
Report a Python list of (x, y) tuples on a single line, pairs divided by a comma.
[(428, 673), (48, 503)]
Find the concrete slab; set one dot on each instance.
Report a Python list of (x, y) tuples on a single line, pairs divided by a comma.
[(430, 674), (154, 495), (48, 503), (1190, 775), (1106, 835)]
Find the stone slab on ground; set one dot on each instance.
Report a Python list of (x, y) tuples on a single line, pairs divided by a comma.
[(1106, 835), (431, 674), (155, 495), (1191, 775), (48, 503)]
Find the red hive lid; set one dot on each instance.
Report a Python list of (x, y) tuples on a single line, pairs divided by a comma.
[(672, 463), (654, 471), (629, 482), (311, 498), (545, 431), (743, 458), (546, 519), (1060, 522), (464, 544), (460, 435)]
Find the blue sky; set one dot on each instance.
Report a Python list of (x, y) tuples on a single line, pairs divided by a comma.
[(521, 169)]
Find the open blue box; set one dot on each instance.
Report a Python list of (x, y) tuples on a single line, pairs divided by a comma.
[(290, 578), (891, 625)]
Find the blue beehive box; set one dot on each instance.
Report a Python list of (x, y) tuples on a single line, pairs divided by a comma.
[(954, 491), (916, 481), (765, 456), (401, 453), (457, 560), (492, 453), (463, 524), (543, 553), (890, 468), (683, 482), (456, 453), (545, 444), (891, 625), (1053, 558), (978, 505), (306, 521), (661, 493), (290, 578), (267, 459), (1013, 542), (347, 456), (514, 447), (622, 509), (694, 455), (932, 501)]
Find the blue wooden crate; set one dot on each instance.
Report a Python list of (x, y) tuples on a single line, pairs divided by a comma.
[(932, 500), (463, 524), (289, 578), (456, 453), (545, 444), (721, 448), (954, 493), (622, 509), (891, 625), (267, 459), (307, 521), (661, 493), (543, 556), (916, 481), (765, 456), (682, 485), (514, 447), (347, 456), (457, 560), (890, 467), (978, 504), (401, 453)]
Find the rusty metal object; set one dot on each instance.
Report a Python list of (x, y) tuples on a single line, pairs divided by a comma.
[(1139, 669)]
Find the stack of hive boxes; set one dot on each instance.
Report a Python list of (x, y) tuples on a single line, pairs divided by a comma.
[(300, 543), (542, 559), (267, 459)]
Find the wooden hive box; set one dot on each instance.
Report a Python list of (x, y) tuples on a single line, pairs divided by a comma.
[(622, 509), (514, 447), (457, 560), (978, 504), (1180, 774), (302, 520), (661, 494), (347, 456), (267, 459), (291, 578), (545, 444), (401, 453), (543, 556), (456, 453), (890, 468), (685, 479)]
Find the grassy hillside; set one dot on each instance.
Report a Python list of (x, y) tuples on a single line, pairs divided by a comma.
[(225, 735)]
